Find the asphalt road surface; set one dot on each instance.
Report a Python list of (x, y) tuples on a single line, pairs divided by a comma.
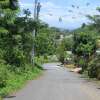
[(57, 83)]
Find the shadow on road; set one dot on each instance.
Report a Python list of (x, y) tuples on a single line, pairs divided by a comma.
[(10, 97)]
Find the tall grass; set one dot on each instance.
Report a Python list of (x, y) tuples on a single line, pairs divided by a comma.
[(16, 81)]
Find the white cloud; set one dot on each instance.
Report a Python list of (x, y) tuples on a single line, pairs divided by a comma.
[(50, 12), (49, 5), (26, 5), (78, 15)]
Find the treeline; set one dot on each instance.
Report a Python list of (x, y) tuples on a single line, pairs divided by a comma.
[(84, 46)]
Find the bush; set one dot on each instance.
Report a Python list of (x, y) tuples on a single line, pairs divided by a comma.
[(69, 57), (15, 57), (52, 58), (3, 75), (61, 52), (83, 64), (16, 81), (84, 47), (39, 60), (94, 68), (1, 98)]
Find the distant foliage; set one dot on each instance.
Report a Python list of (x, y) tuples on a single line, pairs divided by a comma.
[(45, 42), (61, 51)]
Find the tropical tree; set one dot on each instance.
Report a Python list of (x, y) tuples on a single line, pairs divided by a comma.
[(84, 47), (16, 38), (95, 21), (45, 41)]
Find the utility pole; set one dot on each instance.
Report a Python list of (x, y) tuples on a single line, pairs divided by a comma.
[(37, 7), (36, 13), (38, 10)]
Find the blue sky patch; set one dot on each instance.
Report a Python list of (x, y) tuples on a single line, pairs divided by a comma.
[(72, 12)]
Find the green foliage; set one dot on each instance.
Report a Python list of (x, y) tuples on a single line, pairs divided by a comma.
[(17, 81), (61, 51), (84, 47), (86, 41), (45, 42), (69, 57), (52, 58), (7, 15), (68, 43), (64, 46), (16, 39), (45, 59), (94, 65), (82, 63), (16, 43), (94, 68), (84, 44), (39, 59), (3, 75), (95, 21)]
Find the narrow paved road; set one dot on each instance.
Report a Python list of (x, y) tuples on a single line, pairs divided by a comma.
[(58, 83)]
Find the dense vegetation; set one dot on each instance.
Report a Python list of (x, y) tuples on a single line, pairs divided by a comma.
[(17, 40), (45, 41), (64, 45), (84, 43), (85, 47), (16, 43)]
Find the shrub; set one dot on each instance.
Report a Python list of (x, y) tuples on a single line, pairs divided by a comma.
[(82, 63), (61, 52), (39, 60), (15, 57), (0, 98), (84, 47), (94, 68), (52, 58), (3, 75)]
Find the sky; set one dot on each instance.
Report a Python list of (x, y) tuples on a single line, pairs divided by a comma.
[(71, 12)]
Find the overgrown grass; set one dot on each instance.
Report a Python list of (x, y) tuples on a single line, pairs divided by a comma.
[(17, 81), (0, 98)]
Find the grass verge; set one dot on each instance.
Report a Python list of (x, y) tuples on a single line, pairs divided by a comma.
[(17, 81)]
